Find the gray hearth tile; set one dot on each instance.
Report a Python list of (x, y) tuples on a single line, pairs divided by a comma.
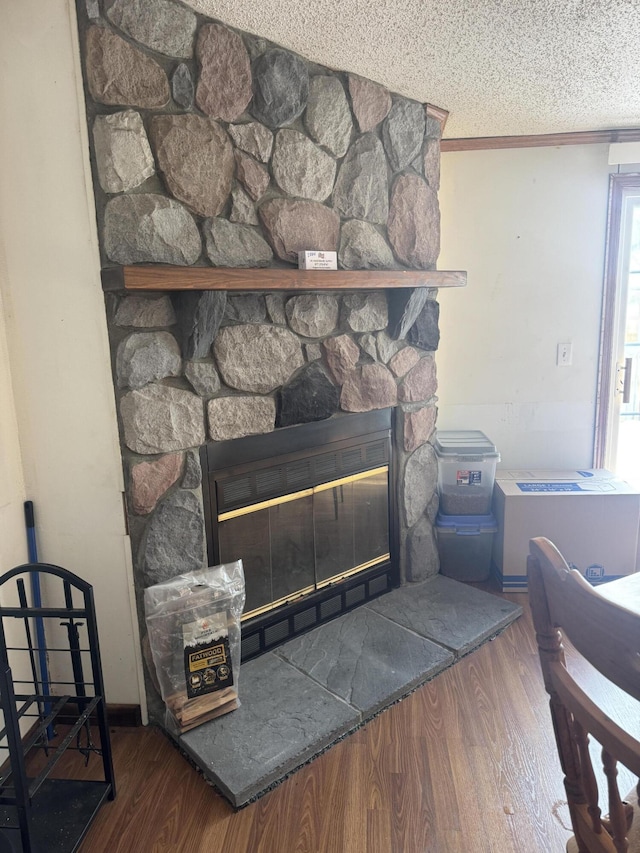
[(284, 719), (453, 614), (366, 659)]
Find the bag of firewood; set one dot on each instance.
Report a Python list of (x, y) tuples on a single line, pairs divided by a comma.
[(193, 624)]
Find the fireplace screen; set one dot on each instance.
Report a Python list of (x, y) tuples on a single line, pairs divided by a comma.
[(310, 511), (297, 543)]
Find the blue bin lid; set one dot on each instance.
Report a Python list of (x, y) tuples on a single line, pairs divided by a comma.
[(467, 524)]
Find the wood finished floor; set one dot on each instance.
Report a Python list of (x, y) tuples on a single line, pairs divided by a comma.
[(466, 763)]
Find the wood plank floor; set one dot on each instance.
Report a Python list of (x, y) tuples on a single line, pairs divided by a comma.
[(466, 763)]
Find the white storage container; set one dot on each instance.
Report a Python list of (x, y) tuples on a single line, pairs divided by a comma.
[(467, 462), (590, 516)]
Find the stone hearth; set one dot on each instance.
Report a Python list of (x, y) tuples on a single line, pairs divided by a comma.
[(214, 148)]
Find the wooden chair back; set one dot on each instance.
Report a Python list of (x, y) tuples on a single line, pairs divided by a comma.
[(607, 635)]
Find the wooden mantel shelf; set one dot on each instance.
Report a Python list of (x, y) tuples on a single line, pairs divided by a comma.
[(162, 277)]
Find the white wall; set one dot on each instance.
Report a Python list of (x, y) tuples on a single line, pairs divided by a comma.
[(56, 331), (529, 227)]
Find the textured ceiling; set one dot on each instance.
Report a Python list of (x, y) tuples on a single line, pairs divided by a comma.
[(500, 67)]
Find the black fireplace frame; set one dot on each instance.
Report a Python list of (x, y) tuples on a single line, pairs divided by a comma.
[(222, 459)]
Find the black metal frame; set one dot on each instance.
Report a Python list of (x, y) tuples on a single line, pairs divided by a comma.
[(41, 814), (222, 460)]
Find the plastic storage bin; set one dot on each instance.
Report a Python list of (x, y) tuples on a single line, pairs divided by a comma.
[(465, 543), (467, 462)]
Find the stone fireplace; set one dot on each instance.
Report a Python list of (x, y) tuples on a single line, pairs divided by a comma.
[(215, 152)]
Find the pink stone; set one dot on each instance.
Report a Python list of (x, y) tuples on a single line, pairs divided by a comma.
[(370, 102), (342, 356), (414, 222), (195, 156), (150, 480), (403, 361), (253, 177), (420, 383), (293, 226), (418, 426), (120, 74), (224, 85), (368, 387)]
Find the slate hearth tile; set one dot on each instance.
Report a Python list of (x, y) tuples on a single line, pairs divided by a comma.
[(366, 659), (453, 614), (284, 719)]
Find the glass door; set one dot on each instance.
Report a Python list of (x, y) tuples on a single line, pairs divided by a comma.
[(618, 423)]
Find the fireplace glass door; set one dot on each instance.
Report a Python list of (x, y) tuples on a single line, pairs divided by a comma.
[(302, 541)]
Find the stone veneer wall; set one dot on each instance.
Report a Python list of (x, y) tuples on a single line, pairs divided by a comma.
[(213, 147)]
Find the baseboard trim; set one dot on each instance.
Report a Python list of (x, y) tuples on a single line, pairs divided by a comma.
[(118, 715)]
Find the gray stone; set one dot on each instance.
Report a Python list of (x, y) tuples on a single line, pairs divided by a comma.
[(301, 168), (417, 164), (235, 417), (175, 539), (370, 102), (231, 245), (433, 127), (361, 190), (417, 427), (182, 87), (192, 471), (405, 306), (119, 74), (310, 396), (203, 377), (295, 226), (403, 133), (144, 357), (246, 308), (148, 228), (313, 352), (200, 315), (420, 482), (254, 138), (224, 83), (365, 312), (368, 344), (432, 163), (275, 308), (342, 356), (150, 480), (368, 387), (387, 347), (257, 358), (414, 222), (401, 658), (162, 25), (253, 177), (403, 361), (314, 315), (269, 735), (145, 312), (362, 247), (243, 210), (123, 155), (448, 612), (420, 383), (328, 117), (425, 332), (93, 9), (195, 156), (160, 419), (281, 83)]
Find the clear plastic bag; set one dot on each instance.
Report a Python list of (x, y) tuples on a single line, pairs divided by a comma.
[(193, 623)]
